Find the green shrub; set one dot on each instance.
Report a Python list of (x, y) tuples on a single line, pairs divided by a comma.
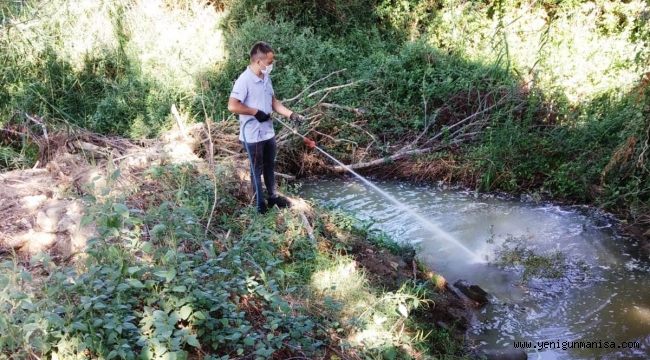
[(109, 67)]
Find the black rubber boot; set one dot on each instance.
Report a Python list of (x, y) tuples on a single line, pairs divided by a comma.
[(280, 201), (262, 209)]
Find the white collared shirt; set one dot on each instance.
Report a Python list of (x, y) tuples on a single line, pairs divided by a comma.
[(257, 93)]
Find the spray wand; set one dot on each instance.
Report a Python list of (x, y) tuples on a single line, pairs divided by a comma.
[(311, 144)]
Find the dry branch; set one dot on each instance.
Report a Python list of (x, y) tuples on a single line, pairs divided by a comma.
[(328, 89), (39, 121), (357, 111), (394, 157), (179, 120), (210, 156), (285, 176), (463, 121), (313, 84), (308, 228), (94, 150), (474, 122)]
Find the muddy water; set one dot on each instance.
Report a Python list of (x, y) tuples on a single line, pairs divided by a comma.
[(603, 295)]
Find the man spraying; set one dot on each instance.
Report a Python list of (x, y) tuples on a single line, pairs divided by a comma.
[(253, 99)]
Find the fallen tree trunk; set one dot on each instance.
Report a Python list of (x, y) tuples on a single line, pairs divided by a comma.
[(394, 157)]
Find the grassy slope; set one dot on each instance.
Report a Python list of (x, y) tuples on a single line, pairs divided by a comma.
[(157, 283)]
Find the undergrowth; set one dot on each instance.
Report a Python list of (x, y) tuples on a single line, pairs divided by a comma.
[(155, 283), (514, 253)]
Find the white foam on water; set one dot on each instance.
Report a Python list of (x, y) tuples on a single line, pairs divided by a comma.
[(426, 224)]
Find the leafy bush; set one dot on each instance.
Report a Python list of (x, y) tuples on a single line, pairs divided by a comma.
[(113, 68)]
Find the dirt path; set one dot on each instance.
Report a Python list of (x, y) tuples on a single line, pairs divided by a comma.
[(41, 210)]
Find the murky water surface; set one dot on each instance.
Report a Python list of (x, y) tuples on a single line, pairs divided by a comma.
[(604, 295)]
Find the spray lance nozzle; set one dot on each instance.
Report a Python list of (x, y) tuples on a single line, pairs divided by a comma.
[(311, 144)]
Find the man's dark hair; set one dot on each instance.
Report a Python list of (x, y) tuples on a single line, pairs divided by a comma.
[(259, 50)]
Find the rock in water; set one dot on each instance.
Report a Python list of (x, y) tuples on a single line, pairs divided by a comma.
[(503, 354), (473, 292)]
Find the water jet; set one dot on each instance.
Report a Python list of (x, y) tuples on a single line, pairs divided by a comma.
[(426, 224)]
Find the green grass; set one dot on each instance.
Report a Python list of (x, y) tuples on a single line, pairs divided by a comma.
[(114, 67)]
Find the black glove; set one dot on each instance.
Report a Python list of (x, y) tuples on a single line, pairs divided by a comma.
[(296, 117), (261, 116)]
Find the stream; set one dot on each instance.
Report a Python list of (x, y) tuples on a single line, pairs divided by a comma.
[(601, 296)]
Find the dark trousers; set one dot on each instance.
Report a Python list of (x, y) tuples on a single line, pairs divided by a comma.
[(262, 155)]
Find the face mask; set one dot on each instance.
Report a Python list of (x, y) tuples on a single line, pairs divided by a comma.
[(267, 70)]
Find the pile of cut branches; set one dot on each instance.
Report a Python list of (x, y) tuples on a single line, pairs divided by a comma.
[(460, 120)]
